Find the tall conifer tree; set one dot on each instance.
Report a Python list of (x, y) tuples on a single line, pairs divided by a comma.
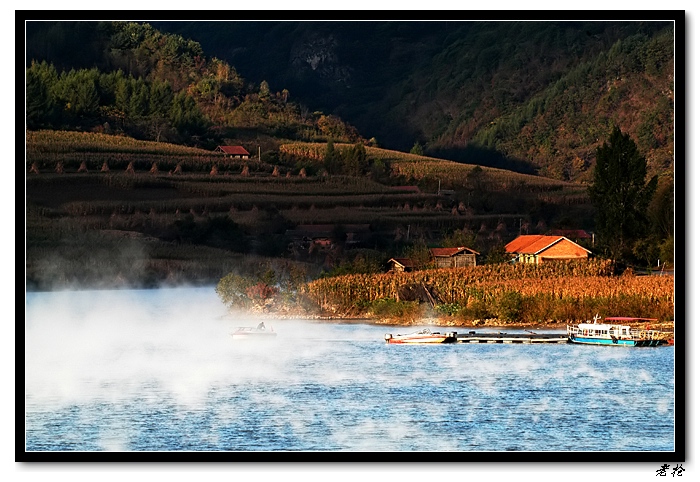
[(621, 194)]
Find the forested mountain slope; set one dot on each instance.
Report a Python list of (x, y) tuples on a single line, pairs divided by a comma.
[(530, 96)]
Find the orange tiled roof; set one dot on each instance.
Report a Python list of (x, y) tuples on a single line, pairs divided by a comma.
[(530, 243), (534, 243)]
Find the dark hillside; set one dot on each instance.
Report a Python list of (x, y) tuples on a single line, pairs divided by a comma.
[(452, 86), (130, 78)]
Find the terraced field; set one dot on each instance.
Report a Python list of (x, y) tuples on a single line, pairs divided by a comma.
[(103, 208)]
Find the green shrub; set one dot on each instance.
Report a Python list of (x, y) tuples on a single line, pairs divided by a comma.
[(476, 310), (390, 308), (449, 309), (509, 306)]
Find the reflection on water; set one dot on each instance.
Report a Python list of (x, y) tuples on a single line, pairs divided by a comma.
[(156, 370)]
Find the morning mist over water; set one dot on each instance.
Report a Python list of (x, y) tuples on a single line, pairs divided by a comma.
[(157, 370)]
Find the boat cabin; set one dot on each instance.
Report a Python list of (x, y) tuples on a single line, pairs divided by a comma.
[(599, 329)]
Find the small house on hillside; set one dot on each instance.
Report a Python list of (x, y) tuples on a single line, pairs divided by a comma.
[(236, 152), (535, 248), (400, 265), (453, 257)]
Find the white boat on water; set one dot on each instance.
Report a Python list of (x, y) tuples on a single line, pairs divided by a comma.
[(253, 333), (422, 336)]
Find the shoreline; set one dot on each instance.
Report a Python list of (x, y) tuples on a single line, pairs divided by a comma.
[(447, 323)]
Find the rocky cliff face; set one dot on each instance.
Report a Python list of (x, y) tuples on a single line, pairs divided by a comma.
[(315, 55)]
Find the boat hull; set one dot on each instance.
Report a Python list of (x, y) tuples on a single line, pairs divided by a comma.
[(615, 342), (421, 338), (433, 340), (253, 336), (250, 333)]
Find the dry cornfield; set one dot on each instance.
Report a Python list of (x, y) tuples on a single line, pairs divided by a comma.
[(573, 283)]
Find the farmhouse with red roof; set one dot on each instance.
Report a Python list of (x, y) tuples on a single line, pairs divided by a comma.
[(535, 248), (237, 152)]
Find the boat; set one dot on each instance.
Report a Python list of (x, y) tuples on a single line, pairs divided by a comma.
[(615, 334), (250, 333), (422, 336)]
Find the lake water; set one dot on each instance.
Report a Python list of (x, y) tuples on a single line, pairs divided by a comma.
[(156, 371)]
